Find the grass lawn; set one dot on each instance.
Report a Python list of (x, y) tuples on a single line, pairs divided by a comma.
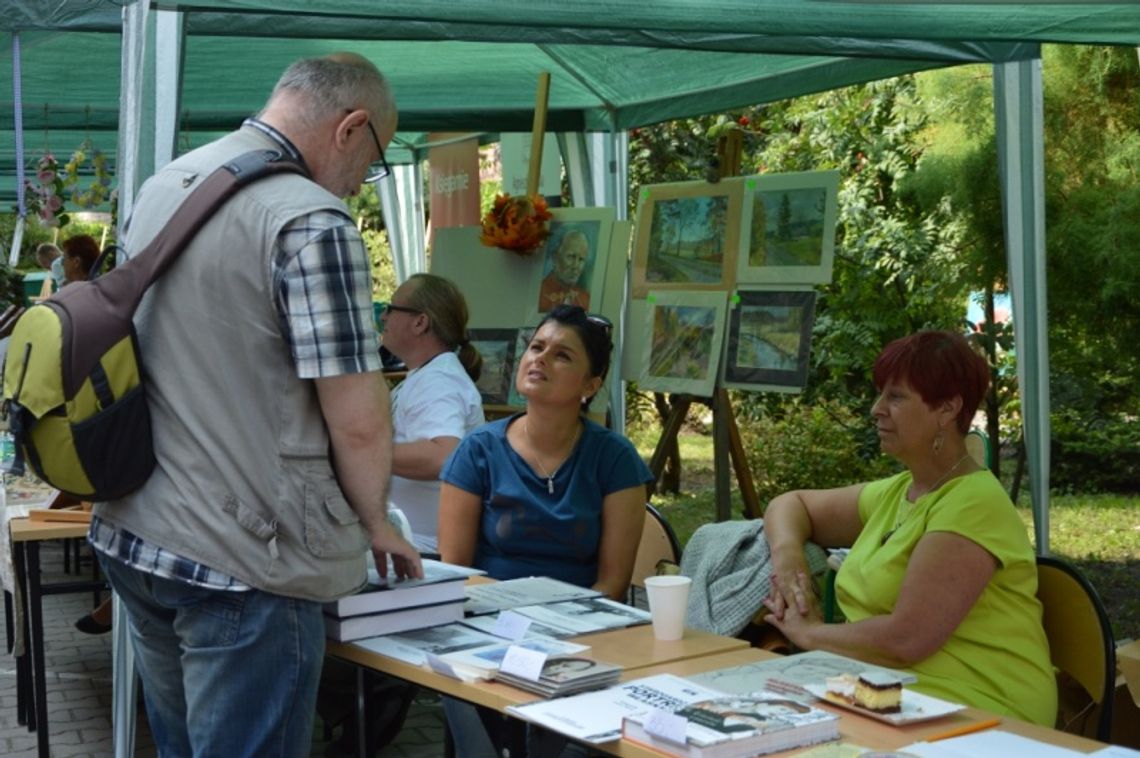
[(1100, 534)]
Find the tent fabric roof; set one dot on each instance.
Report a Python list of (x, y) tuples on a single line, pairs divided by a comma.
[(472, 66)]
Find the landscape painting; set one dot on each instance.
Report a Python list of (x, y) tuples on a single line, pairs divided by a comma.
[(789, 228), (683, 343), (769, 340), (688, 236), (497, 346), (514, 399)]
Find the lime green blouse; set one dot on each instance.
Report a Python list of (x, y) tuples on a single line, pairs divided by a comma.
[(998, 657)]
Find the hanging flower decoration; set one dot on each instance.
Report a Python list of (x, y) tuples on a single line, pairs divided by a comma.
[(44, 197), (516, 223), (99, 190)]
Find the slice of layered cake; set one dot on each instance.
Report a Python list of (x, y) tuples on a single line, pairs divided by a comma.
[(877, 691)]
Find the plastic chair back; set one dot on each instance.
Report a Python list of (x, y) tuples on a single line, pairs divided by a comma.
[(1080, 638), (978, 446), (658, 542)]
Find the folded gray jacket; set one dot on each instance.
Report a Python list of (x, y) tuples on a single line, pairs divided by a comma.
[(731, 569)]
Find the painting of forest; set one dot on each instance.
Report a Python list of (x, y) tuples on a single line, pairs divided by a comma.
[(787, 227), (687, 240)]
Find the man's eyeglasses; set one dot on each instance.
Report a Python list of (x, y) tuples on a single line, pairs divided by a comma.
[(379, 169), (388, 308), (599, 320)]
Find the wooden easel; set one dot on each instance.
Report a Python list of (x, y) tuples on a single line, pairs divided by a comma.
[(726, 434)]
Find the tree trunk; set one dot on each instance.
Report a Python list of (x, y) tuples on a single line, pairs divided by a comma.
[(671, 475), (993, 408), (1019, 470)]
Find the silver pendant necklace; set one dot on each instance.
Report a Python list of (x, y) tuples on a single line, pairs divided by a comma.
[(538, 462)]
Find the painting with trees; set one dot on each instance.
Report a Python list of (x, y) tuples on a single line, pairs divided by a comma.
[(688, 236)]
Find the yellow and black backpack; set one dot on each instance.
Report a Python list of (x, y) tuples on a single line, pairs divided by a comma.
[(74, 383)]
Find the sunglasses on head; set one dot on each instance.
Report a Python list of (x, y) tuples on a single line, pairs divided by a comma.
[(599, 320)]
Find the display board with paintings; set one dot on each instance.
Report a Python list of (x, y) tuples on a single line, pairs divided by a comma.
[(722, 278), (583, 262)]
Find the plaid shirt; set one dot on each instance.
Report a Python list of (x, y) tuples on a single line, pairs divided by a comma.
[(322, 288)]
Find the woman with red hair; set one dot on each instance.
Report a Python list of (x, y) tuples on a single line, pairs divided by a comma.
[(79, 255), (941, 580)]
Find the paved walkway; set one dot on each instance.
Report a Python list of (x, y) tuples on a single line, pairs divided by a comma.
[(79, 691)]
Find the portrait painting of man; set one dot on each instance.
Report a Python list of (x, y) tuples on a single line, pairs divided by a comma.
[(570, 254)]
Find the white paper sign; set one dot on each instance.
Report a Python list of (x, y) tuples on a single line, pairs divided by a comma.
[(666, 725), (523, 662), (440, 666), (510, 625), (514, 156)]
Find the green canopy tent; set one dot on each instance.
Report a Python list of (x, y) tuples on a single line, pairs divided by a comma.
[(194, 69)]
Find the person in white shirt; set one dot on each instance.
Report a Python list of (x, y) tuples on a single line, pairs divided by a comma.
[(437, 404)]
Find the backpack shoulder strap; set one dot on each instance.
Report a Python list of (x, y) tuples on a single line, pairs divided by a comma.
[(119, 292), (203, 202)]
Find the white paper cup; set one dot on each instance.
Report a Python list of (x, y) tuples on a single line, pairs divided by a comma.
[(668, 601)]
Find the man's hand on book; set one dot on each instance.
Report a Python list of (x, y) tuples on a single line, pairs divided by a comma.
[(387, 541)]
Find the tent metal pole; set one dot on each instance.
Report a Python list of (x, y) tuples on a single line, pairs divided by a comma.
[(1019, 114)]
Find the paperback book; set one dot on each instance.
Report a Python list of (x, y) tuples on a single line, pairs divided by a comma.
[(352, 628), (733, 726), (414, 645), (441, 583), (567, 675), (490, 623), (515, 593), (483, 662), (585, 616), (596, 717)]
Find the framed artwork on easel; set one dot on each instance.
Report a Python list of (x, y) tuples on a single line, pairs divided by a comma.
[(769, 340), (573, 261), (788, 228), (681, 342), (497, 346), (688, 237)]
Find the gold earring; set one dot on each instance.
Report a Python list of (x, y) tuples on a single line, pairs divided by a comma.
[(939, 441)]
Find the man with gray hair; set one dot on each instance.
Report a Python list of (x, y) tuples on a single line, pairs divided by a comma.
[(270, 421)]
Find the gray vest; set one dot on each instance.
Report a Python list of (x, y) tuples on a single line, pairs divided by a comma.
[(243, 482)]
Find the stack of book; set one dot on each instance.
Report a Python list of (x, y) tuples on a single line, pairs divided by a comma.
[(679, 717), (567, 675), (387, 605), (734, 726)]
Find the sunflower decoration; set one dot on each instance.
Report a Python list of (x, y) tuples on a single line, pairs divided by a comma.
[(516, 223)]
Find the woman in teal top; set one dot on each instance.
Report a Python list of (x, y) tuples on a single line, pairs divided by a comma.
[(549, 492), (941, 579)]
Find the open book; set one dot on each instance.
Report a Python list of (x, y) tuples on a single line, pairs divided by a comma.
[(789, 674), (514, 593)]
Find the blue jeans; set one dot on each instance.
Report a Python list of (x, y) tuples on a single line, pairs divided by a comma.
[(224, 673)]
